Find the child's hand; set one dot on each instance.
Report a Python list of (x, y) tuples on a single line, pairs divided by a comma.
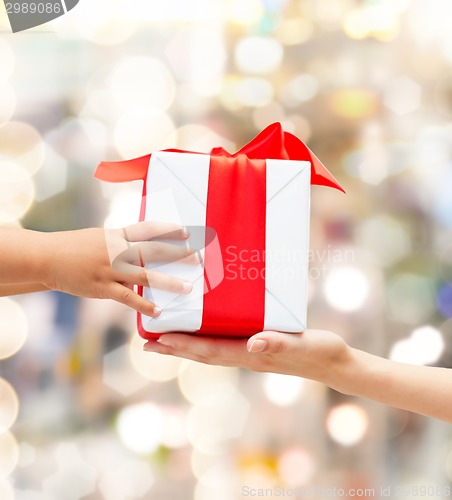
[(313, 354), (100, 263)]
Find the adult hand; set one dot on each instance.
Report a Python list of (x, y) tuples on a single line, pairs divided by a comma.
[(313, 354)]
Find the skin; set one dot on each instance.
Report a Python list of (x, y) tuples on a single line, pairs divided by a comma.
[(325, 357), (102, 263), (94, 263)]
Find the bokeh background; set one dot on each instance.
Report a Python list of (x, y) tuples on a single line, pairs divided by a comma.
[(84, 413)]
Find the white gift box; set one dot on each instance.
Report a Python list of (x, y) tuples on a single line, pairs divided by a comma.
[(248, 217), (176, 192)]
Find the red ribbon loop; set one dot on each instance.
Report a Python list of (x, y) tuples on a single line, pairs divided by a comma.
[(271, 143)]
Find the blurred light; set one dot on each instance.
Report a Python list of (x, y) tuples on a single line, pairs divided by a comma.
[(7, 102), (131, 478), (13, 328), (151, 365), (7, 491), (193, 137), (197, 380), (443, 90), (402, 96), (296, 466), (355, 25), (119, 374), (423, 347), (78, 140), (9, 454), (353, 103), (347, 424), (228, 95), (444, 300), (9, 404), (300, 89), (385, 237), (246, 13), (283, 390), (201, 462), (254, 92), (74, 478), (100, 22), (379, 20), (124, 209), (217, 417), (275, 5), (7, 58), (442, 200), (174, 428), (259, 55), (170, 11), (27, 454), (192, 99), (138, 136), (52, 177), (449, 465), (294, 31), (265, 115), (346, 288), (23, 143), (411, 298), (217, 482), (16, 191), (198, 56), (299, 126), (431, 149), (142, 84), (374, 164), (139, 427)]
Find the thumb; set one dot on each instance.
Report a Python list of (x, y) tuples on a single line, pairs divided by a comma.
[(268, 342)]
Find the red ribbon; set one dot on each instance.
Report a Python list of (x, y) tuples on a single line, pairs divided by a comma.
[(236, 210), (272, 143), (236, 307)]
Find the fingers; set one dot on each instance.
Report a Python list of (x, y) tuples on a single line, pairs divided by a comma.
[(211, 348), (144, 231), (156, 346), (128, 297), (157, 251), (271, 342), (148, 277)]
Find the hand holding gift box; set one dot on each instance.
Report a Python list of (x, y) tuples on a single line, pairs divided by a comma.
[(248, 218)]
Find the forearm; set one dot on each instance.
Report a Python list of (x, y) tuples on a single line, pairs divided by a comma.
[(24, 255), (421, 389), (21, 288)]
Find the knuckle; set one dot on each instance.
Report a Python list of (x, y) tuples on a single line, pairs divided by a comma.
[(127, 296), (147, 277), (276, 346)]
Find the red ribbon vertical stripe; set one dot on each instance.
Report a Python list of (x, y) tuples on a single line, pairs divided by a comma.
[(236, 210)]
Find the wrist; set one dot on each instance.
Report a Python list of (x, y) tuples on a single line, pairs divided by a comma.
[(41, 257), (359, 372)]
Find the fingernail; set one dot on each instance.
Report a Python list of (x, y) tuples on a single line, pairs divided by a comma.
[(187, 286), (186, 233), (157, 311), (164, 341), (258, 345)]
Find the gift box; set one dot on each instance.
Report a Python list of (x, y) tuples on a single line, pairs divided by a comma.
[(248, 217)]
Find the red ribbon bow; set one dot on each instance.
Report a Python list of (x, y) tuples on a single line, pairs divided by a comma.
[(272, 143)]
